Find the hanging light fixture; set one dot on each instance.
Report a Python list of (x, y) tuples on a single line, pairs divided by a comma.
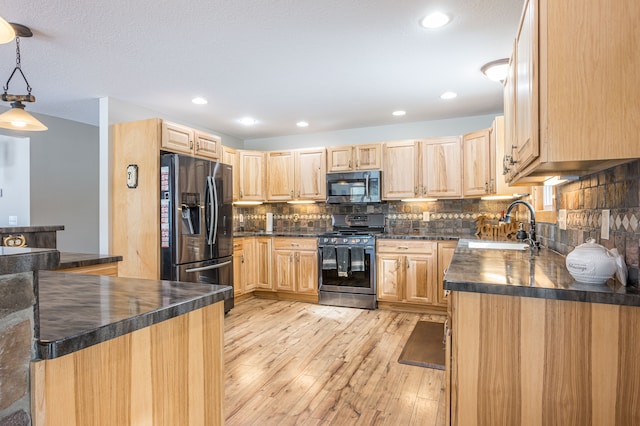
[(7, 33), (17, 118)]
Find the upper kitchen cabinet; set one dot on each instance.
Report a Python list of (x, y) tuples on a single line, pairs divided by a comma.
[(476, 151), (498, 164), (354, 157), (232, 157), (400, 170), (184, 140), (572, 97), (252, 173), (440, 167), (296, 175)]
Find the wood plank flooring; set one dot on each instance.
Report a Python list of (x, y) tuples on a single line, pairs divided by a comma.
[(293, 363)]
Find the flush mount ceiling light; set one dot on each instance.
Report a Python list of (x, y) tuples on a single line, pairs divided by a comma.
[(302, 124), (448, 95), (199, 101), (7, 33), (247, 121), (496, 70), (17, 118), (398, 113), (435, 20)]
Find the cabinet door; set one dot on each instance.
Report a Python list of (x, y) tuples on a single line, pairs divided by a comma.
[(368, 157), (252, 172), (177, 138), (250, 273), (389, 277), (445, 253), (208, 146), (339, 158), (263, 263), (400, 171), (526, 107), (307, 276), (238, 267), (310, 175), (476, 148), (284, 270), (420, 278), (231, 156), (280, 176), (440, 165), (509, 121)]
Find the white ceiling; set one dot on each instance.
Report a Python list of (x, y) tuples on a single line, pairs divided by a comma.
[(337, 64)]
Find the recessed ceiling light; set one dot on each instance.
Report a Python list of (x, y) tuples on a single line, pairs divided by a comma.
[(496, 70), (248, 121), (448, 95), (435, 20), (399, 113), (199, 101), (302, 124)]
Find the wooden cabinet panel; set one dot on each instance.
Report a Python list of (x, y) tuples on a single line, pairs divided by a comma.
[(177, 138), (389, 276), (400, 170), (250, 262), (339, 158), (354, 157), (232, 157), (420, 278), (208, 146), (445, 254), (307, 273), (310, 174), (368, 156), (476, 149), (284, 270), (295, 265), (252, 174), (440, 167), (238, 266), (108, 269), (280, 176), (263, 263)]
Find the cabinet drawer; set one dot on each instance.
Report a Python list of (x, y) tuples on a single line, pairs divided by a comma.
[(295, 243), (404, 246), (238, 244)]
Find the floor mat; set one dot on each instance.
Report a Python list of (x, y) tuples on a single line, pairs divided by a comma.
[(425, 346)]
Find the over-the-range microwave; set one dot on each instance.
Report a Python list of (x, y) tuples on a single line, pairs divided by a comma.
[(354, 187)]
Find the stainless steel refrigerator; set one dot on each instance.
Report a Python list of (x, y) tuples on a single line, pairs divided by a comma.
[(196, 220)]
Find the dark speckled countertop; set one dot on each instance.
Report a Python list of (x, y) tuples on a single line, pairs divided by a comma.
[(519, 273), (77, 260), (77, 311), (442, 237)]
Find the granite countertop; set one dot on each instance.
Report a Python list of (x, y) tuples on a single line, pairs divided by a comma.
[(14, 260), (434, 237), (520, 273), (77, 311), (444, 237), (78, 260), (44, 228), (275, 234)]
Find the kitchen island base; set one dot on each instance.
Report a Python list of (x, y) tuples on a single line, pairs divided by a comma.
[(170, 373)]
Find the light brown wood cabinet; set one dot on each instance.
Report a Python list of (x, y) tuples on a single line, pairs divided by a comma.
[(531, 361), (498, 174), (422, 168), (572, 95), (296, 175), (244, 271), (406, 272), (263, 263), (295, 265), (184, 140), (445, 254), (476, 151), (232, 156), (109, 269), (354, 157), (252, 176)]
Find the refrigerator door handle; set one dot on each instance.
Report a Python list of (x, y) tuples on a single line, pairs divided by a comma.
[(207, 268), (213, 211)]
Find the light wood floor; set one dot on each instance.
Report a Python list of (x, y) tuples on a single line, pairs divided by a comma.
[(293, 363)]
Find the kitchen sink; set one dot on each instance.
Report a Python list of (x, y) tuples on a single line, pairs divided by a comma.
[(497, 245)]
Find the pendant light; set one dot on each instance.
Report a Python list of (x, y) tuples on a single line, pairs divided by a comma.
[(7, 33), (17, 118)]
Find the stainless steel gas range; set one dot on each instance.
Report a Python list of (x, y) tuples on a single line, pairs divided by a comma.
[(346, 261)]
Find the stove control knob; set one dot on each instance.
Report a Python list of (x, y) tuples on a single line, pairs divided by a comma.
[(345, 240), (333, 240), (326, 240), (357, 241)]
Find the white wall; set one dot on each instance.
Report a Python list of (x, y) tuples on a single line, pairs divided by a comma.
[(14, 180), (420, 129), (64, 180)]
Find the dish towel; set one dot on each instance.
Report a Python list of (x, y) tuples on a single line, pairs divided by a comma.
[(328, 258), (357, 259), (342, 255)]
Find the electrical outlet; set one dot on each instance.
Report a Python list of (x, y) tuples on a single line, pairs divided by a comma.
[(426, 216), (562, 219), (604, 228)]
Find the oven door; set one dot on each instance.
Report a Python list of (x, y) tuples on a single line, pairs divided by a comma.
[(358, 282)]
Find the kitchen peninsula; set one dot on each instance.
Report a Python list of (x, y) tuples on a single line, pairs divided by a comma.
[(529, 345), (114, 350)]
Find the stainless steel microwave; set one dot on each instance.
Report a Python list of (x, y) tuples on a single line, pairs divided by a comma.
[(354, 187)]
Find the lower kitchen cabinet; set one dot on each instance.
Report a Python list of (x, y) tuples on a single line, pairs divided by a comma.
[(244, 272), (263, 247), (295, 266), (445, 253), (406, 273), (108, 269)]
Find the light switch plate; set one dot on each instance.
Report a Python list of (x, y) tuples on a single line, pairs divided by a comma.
[(426, 216), (562, 219), (604, 227)]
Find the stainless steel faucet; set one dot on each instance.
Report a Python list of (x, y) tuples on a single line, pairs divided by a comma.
[(531, 238)]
